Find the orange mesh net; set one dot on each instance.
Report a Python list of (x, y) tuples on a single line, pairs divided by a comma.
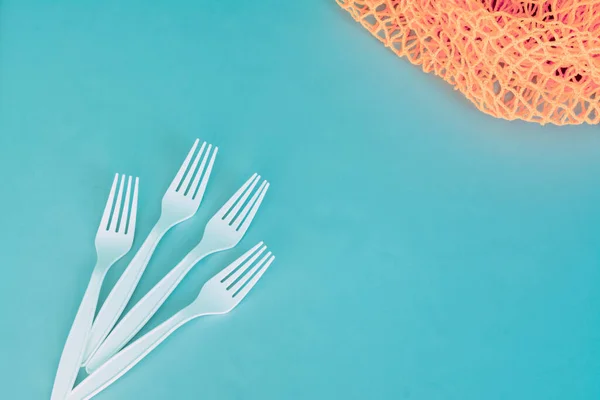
[(537, 61)]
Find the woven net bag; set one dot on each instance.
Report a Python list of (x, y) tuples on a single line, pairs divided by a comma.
[(537, 61)]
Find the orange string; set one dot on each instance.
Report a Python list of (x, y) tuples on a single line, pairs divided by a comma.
[(537, 61)]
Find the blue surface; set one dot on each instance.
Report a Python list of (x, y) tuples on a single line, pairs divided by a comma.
[(425, 250)]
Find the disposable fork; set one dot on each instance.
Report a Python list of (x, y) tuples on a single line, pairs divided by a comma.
[(218, 296), (180, 202), (113, 240), (224, 230)]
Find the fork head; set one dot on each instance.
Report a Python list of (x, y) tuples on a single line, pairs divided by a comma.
[(183, 197), (117, 227), (227, 227), (226, 289)]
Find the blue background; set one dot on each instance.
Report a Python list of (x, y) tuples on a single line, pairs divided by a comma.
[(424, 250)]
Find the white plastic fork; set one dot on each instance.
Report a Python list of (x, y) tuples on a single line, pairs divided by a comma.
[(219, 295), (113, 241), (180, 202), (224, 230)]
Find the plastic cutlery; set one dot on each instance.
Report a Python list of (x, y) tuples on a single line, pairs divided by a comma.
[(180, 202), (113, 241), (224, 231), (219, 295)]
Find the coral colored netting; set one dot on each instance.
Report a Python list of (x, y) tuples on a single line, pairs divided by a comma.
[(536, 61)]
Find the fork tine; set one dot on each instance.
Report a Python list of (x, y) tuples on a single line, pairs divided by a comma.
[(194, 184), (240, 202), (236, 195), (206, 175), (230, 280), (124, 216), (134, 202), (190, 173), (231, 267), (244, 227), (183, 168), (238, 285), (244, 291), (117, 210), (240, 218), (109, 204)]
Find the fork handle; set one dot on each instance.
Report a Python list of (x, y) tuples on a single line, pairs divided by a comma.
[(118, 365), (137, 317), (72, 355), (120, 294)]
